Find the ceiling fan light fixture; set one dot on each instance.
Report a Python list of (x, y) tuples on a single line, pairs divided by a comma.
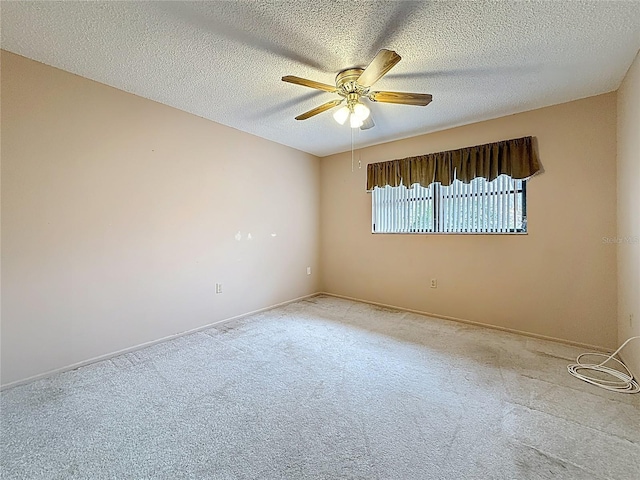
[(355, 121), (361, 111), (354, 84), (341, 115)]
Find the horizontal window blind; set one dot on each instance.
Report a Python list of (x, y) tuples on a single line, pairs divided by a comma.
[(480, 206)]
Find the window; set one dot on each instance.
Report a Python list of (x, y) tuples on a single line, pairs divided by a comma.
[(480, 206)]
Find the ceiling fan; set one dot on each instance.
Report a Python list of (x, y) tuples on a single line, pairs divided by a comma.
[(353, 84)]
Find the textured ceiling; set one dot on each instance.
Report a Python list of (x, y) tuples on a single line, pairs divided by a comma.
[(223, 60)]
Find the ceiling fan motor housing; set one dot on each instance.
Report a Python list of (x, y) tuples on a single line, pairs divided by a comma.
[(347, 82)]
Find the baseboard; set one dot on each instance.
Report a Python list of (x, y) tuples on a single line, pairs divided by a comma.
[(107, 356), (477, 324)]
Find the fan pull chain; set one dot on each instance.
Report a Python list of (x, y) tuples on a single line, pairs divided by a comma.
[(359, 155), (352, 154), (351, 149)]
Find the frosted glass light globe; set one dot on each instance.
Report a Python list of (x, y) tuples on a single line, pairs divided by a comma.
[(341, 115), (355, 121), (361, 111)]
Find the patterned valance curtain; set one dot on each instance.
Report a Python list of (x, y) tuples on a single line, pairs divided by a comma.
[(516, 158)]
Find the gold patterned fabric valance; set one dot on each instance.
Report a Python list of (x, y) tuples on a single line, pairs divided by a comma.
[(516, 158)]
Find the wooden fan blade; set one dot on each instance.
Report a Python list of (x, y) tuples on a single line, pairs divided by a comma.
[(309, 83), (381, 64), (403, 98), (322, 108)]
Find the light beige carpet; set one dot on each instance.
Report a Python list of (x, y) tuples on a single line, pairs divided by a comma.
[(324, 389)]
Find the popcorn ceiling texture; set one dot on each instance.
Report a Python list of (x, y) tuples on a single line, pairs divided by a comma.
[(224, 60)]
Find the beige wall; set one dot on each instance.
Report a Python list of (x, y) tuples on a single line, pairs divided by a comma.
[(558, 281), (119, 215), (629, 214)]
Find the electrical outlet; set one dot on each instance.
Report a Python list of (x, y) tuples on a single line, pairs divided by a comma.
[(218, 288), (434, 283), (308, 270)]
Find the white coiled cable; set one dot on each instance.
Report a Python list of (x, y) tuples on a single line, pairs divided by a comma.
[(621, 381)]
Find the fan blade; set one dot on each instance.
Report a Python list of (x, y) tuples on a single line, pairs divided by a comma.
[(309, 83), (322, 108), (381, 64), (403, 98), (368, 123)]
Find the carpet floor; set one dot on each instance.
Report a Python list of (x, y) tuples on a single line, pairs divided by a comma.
[(324, 388)]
